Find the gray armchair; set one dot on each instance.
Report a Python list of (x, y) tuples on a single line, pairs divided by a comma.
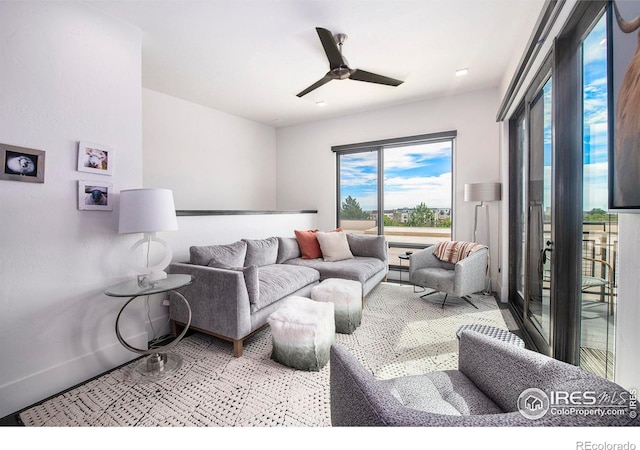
[(467, 276), (484, 391)]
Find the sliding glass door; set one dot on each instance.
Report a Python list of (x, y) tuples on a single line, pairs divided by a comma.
[(563, 248), (540, 216), (599, 228)]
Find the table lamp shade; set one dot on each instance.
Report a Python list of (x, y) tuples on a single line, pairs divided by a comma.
[(147, 211), (482, 192)]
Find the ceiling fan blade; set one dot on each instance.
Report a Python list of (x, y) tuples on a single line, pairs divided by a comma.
[(330, 48), (316, 85), (363, 75)]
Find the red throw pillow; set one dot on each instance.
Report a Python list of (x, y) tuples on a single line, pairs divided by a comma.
[(308, 243)]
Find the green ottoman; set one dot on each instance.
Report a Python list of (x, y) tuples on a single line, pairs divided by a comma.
[(346, 296), (303, 332)]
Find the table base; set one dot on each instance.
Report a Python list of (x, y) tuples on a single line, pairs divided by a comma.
[(155, 367)]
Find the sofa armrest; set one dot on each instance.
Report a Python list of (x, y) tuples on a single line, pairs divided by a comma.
[(218, 299), (471, 272)]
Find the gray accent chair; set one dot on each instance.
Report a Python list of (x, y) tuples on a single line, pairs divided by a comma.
[(467, 276), (484, 391)]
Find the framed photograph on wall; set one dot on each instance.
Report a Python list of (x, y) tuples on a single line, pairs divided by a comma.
[(95, 196), (95, 158), (21, 164), (624, 143)]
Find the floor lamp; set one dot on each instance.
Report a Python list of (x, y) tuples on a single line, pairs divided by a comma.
[(482, 192)]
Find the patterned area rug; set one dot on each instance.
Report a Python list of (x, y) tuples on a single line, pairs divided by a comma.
[(401, 334)]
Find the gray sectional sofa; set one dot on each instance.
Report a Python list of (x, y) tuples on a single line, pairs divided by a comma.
[(237, 286)]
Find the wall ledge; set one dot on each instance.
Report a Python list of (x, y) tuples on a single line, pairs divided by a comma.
[(231, 212)]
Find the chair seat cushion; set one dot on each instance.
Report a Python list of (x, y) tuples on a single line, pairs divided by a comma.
[(449, 392), (441, 280)]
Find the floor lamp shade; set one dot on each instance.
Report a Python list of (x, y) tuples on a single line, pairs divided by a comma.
[(148, 211)]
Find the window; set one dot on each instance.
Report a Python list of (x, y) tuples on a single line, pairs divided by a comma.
[(401, 188)]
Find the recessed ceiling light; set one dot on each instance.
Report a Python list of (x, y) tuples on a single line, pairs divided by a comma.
[(462, 72), (321, 103)]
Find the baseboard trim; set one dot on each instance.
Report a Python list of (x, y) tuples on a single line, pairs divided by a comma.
[(20, 394)]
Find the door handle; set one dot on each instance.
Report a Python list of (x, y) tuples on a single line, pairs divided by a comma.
[(548, 248)]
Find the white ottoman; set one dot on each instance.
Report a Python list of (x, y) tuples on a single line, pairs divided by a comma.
[(346, 296), (303, 331)]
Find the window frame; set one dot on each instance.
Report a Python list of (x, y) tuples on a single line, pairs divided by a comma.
[(379, 146)]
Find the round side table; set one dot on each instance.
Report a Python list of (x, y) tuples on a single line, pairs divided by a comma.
[(159, 362)]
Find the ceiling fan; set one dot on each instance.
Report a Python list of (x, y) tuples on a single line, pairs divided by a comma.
[(339, 67)]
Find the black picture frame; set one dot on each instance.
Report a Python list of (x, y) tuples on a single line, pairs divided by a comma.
[(22, 164)]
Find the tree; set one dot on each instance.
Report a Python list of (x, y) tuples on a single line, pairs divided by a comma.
[(444, 223), (596, 214), (389, 222), (351, 210), (421, 216)]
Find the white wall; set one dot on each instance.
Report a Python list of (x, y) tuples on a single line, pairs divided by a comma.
[(210, 159), (306, 166), (68, 74), (627, 368)]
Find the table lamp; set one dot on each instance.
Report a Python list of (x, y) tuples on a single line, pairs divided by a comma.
[(148, 211)]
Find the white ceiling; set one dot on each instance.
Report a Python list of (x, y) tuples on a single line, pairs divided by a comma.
[(251, 57)]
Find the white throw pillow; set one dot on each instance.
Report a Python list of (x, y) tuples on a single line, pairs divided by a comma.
[(334, 245)]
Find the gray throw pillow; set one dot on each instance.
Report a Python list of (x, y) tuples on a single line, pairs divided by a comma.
[(261, 252), (372, 246), (222, 256), (288, 248)]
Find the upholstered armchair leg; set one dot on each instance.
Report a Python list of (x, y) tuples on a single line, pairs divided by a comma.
[(428, 293), (237, 348), (466, 299), (445, 300)]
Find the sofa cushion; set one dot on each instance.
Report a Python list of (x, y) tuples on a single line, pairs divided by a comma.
[(448, 392), (361, 245), (261, 252), (357, 269), (334, 246), (288, 248), (277, 281), (221, 256)]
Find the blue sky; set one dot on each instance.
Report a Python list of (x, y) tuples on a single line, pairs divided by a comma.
[(413, 174), (595, 118)]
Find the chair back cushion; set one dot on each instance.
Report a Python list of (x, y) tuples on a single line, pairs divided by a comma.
[(453, 251)]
